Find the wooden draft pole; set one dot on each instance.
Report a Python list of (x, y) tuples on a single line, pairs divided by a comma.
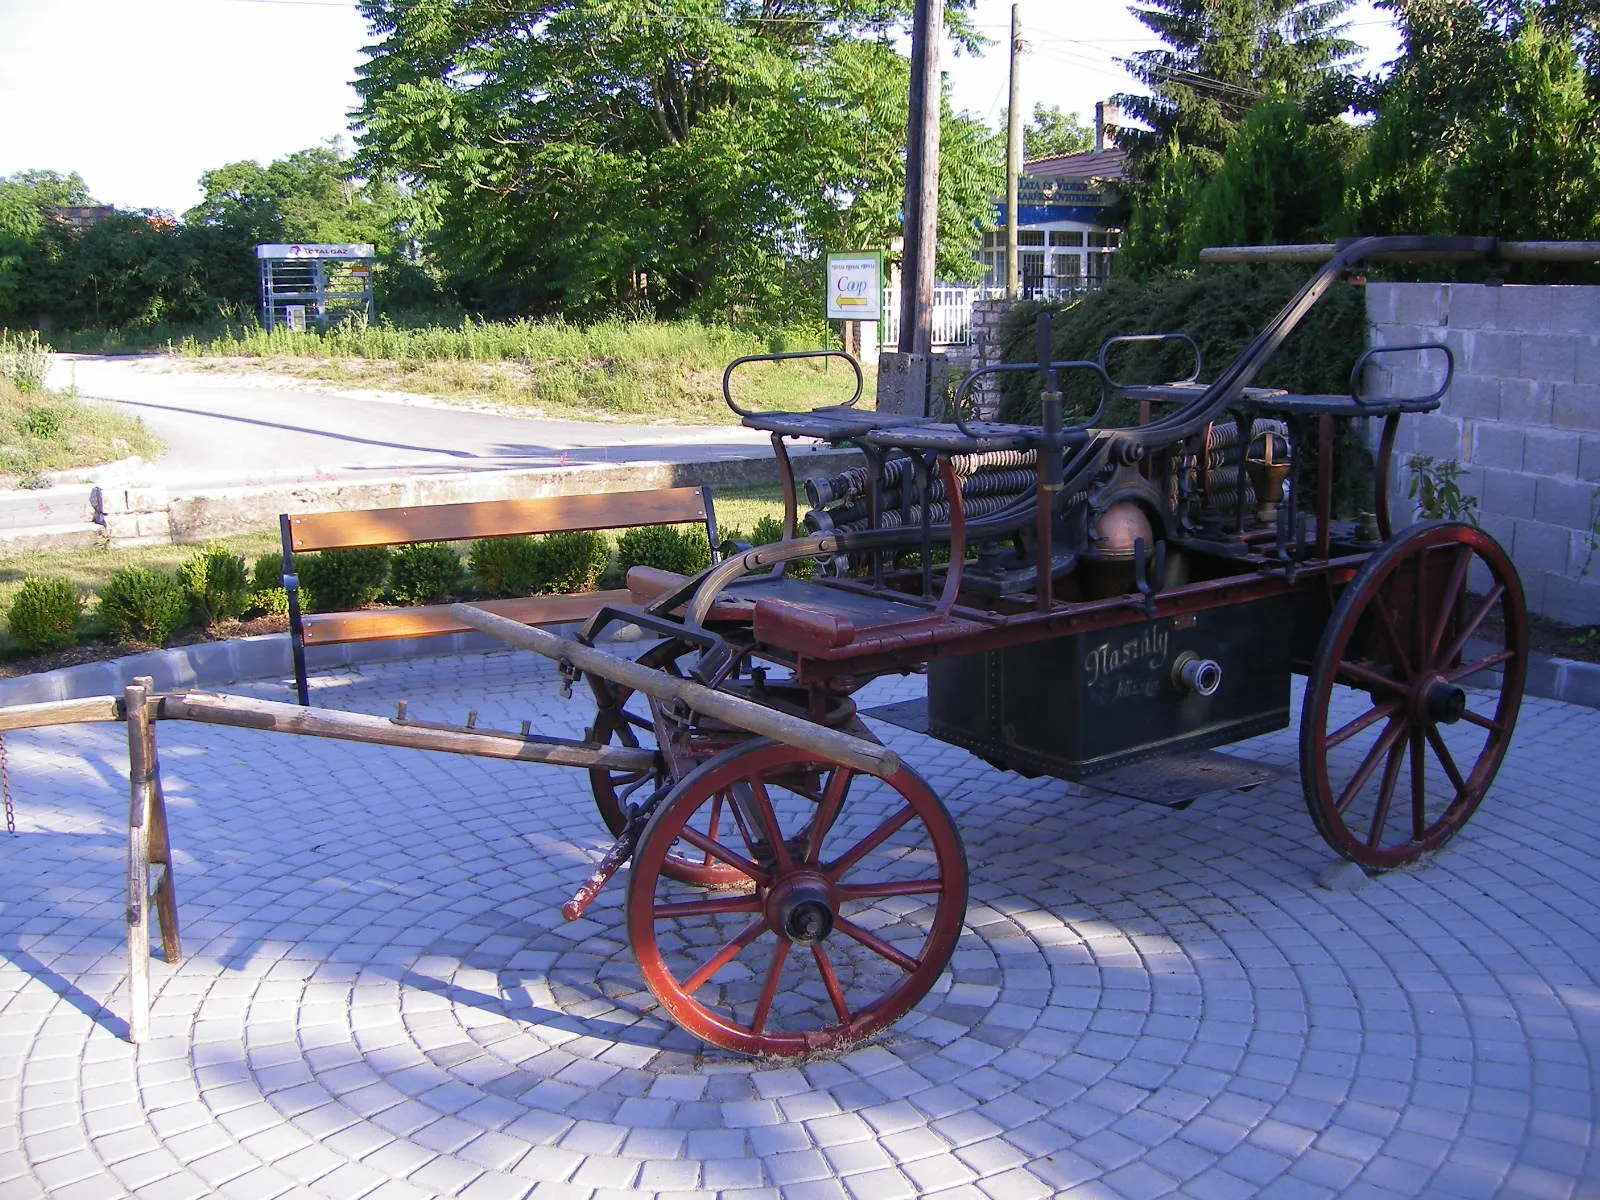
[(1014, 157), (922, 181)]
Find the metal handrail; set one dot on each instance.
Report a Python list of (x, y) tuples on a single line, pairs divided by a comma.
[(1105, 351), (727, 375), (1372, 352)]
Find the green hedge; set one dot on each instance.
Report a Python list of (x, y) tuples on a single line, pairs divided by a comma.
[(1222, 308)]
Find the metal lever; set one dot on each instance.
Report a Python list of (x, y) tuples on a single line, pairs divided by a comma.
[(1149, 582)]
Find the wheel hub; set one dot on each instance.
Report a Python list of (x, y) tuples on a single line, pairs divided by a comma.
[(801, 908), (1438, 702)]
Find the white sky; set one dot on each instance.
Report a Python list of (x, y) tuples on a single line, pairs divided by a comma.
[(141, 96)]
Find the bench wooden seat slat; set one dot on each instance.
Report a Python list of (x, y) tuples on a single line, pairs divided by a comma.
[(381, 624), (465, 522), (494, 518)]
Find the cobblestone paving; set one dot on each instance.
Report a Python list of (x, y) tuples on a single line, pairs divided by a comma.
[(381, 999)]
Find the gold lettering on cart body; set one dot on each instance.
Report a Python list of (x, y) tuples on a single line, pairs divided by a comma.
[(1147, 651)]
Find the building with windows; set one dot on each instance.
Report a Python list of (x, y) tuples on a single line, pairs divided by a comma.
[(1066, 240)]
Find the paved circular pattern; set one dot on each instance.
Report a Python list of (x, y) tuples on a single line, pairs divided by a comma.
[(381, 998)]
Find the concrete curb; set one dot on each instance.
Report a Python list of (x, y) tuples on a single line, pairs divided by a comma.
[(141, 514), (213, 664)]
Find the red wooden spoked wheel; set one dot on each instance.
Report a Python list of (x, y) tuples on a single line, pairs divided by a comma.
[(1401, 733), (855, 892), (624, 719)]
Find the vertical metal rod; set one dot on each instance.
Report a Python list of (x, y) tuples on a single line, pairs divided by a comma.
[(1324, 484), (1380, 476), (1049, 469), (291, 586), (922, 182), (138, 913)]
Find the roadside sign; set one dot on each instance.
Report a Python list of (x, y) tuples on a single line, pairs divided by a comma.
[(855, 285), (294, 316)]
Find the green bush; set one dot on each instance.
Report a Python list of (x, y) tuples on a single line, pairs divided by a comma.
[(44, 614), (340, 580), (1222, 308), (504, 566), (769, 529), (267, 594), (424, 573), (665, 547), (569, 562), (267, 573), (218, 584), (141, 605)]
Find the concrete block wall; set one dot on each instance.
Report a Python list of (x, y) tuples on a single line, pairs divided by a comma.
[(1522, 416), (987, 316)]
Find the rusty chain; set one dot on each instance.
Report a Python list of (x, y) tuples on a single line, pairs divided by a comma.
[(5, 787)]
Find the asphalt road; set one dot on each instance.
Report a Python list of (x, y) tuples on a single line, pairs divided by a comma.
[(232, 430), (243, 430)]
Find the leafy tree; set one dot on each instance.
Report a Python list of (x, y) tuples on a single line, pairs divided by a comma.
[(46, 189), (135, 267), (309, 196), (686, 155), (1159, 227), (1221, 57), (1050, 132), (1488, 108), (24, 197), (1281, 180)]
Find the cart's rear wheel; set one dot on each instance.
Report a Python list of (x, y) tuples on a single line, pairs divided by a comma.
[(856, 891), (1402, 732), (623, 718)]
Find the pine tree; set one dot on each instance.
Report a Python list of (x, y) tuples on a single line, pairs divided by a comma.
[(1221, 57)]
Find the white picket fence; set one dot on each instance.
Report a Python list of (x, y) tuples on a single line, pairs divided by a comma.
[(952, 315)]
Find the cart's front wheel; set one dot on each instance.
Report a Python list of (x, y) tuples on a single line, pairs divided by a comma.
[(1403, 727), (623, 718), (855, 889)]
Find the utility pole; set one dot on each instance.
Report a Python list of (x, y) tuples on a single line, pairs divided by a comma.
[(1014, 154), (922, 181), (904, 377)]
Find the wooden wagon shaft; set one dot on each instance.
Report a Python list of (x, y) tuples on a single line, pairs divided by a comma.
[(1322, 251), (60, 712), (745, 714), (274, 717)]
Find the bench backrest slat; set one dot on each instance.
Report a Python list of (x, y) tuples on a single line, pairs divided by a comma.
[(494, 518)]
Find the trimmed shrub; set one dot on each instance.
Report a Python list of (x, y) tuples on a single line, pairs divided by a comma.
[(339, 580), (141, 605), (218, 584), (505, 566), (665, 547), (267, 594), (44, 614), (424, 573), (569, 562)]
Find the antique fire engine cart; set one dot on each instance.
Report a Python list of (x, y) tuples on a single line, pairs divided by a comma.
[(1080, 597)]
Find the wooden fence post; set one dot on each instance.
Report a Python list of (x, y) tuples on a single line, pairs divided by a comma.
[(149, 858)]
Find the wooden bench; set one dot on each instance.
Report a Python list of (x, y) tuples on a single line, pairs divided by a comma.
[(462, 522)]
